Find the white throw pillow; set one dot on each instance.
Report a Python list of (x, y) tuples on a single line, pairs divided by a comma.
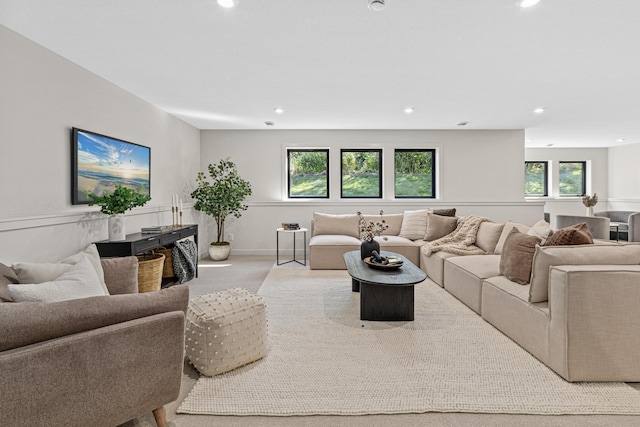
[(79, 281), (414, 224), (91, 252), (541, 229)]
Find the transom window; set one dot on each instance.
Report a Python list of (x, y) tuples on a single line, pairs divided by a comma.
[(572, 178), (361, 173), (414, 173), (308, 173), (536, 179)]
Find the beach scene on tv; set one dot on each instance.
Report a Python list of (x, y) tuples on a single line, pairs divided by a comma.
[(104, 162)]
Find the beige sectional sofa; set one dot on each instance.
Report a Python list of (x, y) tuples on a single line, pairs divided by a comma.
[(577, 314)]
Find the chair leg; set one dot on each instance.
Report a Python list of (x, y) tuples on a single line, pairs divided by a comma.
[(161, 416)]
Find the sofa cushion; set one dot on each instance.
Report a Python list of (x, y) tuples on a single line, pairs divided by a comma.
[(414, 224), (541, 229), (488, 235), (517, 256), (505, 232), (439, 226), (347, 224), (7, 277), (80, 281), (577, 234), (547, 256), (394, 221)]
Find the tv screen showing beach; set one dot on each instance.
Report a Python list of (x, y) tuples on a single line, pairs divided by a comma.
[(101, 162)]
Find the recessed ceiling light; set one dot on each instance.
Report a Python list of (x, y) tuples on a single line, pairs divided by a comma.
[(409, 110), (620, 140), (528, 140), (376, 5), (278, 110), (228, 3), (539, 110), (528, 3)]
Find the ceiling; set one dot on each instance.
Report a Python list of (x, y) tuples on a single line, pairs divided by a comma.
[(335, 64)]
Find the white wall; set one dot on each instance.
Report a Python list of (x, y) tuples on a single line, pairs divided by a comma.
[(597, 178), (42, 97), (481, 172), (624, 178)]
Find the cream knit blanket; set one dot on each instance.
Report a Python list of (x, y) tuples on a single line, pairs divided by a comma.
[(459, 241)]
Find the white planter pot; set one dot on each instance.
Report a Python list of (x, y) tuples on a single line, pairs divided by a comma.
[(219, 252), (116, 228)]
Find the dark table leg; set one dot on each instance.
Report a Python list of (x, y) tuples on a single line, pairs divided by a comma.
[(355, 285), (386, 303)]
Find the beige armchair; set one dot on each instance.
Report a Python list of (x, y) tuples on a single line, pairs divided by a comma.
[(98, 361)]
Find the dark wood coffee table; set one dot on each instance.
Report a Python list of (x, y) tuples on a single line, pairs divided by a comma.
[(385, 295)]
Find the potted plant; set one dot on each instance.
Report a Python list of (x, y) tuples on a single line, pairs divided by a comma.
[(116, 204), (220, 198)]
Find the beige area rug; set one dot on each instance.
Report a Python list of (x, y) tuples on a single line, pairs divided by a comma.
[(323, 360)]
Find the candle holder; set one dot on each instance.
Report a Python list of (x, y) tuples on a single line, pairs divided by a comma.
[(173, 216), (180, 224)]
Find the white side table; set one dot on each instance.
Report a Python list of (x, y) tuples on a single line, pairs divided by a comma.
[(304, 245)]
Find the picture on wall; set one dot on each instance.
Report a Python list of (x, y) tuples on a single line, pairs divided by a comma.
[(100, 162)]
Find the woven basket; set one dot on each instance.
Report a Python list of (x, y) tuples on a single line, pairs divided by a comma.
[(167, 269), (150, 272)]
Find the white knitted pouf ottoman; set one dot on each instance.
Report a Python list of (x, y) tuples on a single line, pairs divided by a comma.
[(225, 330)]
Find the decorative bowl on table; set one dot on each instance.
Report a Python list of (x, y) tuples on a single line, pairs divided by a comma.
[(392, 263)]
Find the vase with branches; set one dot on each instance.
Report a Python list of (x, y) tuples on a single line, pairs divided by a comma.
[(590, 202), (368, 231)]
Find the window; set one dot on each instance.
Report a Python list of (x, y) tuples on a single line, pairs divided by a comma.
[(308, 173), (361, 176), (414, 173), (572, 178), (535, 179)]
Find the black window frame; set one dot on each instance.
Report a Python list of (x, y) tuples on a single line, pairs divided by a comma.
[(306, 150), (546, 178), (361, 150), (584, 178), (433, 171)]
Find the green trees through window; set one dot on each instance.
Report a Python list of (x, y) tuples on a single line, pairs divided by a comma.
[(572, 178), (308, 173), (361, 173), (535, 179), (414, 173)]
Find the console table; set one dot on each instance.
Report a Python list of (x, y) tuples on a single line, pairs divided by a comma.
[(138, 243)]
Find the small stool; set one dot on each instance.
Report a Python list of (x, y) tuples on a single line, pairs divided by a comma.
[(225, 330)]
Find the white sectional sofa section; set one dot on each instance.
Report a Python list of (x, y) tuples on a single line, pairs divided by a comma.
[(578, 314)]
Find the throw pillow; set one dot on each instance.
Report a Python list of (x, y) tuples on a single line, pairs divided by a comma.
[(7, 277), (39, 272), (414, 224), (573, 235), (505, 232), (91, 252), (80, 281), (121, 274), (439, 226), (517, 256), (445, 212), (541, 229), (488, 235), (394, 221), (347, 224)]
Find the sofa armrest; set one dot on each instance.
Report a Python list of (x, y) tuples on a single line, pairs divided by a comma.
[(594, 322), (28, 323), (634, 227)]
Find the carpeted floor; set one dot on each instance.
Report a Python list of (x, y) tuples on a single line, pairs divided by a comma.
[(248, 272)]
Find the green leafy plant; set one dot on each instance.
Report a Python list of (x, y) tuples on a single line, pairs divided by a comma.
[(121, 200), (223, 196)]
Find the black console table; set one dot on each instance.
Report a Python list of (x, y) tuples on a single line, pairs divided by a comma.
[(138, 243)]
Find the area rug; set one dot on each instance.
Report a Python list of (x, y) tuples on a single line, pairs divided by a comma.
[(323, 360)]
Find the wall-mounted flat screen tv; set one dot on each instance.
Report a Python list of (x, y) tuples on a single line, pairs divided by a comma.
[(100, 162)]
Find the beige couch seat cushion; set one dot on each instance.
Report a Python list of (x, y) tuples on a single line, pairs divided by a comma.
[(347, 224), (463, 276), (433, 264), (547, 256), (334, 240)]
